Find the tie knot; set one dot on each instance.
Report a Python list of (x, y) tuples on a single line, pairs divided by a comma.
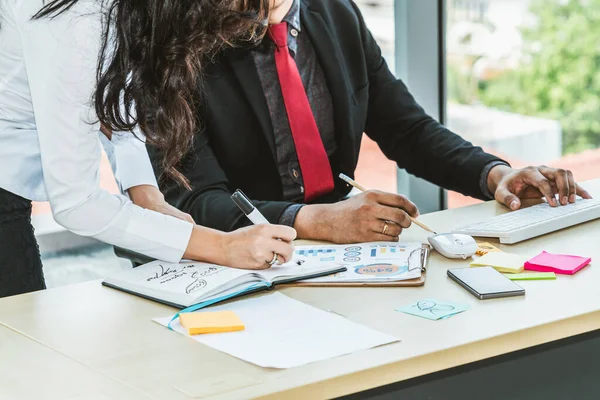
[(279, 34)]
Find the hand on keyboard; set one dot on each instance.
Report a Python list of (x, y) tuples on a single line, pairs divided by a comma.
[(510, 185)]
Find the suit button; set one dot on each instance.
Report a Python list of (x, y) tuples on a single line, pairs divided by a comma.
[(294, 32)]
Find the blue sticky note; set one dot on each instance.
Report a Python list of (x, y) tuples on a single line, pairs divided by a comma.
[(434, 309)]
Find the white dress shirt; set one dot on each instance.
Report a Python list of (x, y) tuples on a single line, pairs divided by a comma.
[(49, 143)]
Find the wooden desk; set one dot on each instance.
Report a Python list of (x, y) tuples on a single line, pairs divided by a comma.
[(29, 370), (112, 332)]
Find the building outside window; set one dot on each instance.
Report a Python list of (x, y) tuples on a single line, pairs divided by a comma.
[(468, 10)]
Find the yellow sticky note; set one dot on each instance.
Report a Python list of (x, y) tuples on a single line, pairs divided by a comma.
[(502, 262), (485, 247), (211, 322)]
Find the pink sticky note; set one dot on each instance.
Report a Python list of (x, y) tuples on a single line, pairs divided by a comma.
[(559, 263)]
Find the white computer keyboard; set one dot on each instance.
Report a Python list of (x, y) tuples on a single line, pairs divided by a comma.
[(534, 221)]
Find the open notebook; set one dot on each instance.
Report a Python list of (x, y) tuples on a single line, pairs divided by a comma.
[(185, 284)]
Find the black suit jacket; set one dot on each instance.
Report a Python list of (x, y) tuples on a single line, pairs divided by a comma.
[(236, 149)]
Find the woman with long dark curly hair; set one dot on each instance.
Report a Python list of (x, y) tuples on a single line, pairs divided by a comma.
[(69, 68)]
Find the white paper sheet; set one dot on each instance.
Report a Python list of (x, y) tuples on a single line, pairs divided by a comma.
[(285, 333)]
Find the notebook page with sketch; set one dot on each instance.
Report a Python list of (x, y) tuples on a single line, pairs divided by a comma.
[(186, 284)]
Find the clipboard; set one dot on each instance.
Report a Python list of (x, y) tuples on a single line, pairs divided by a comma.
[(425, 252)]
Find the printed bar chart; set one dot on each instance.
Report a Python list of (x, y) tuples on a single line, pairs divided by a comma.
[(315, 252), (382, 251)]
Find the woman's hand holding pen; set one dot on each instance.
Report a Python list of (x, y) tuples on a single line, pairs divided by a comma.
[(254, 247), (259, 246), (248, 248), (367, 217)]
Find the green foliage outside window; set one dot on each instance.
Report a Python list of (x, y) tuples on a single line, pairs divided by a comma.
[(558, 76)]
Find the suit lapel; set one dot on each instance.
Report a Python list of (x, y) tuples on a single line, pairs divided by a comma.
[(334, 69), (245, 71)]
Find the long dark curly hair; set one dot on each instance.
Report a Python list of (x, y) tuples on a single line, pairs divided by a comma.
[(155, 59)]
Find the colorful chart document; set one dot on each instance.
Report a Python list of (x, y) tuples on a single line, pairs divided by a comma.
[(365, 262)]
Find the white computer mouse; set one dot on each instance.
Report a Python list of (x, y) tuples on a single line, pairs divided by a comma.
[(454, 245)]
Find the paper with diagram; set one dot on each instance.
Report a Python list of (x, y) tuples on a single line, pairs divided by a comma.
[(366, 262)]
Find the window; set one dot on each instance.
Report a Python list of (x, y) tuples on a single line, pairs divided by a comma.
[(469, 10), (523, 81), (374, 169), (408, 31)]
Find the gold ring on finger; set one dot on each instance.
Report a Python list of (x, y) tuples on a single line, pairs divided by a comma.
[(385, 228)]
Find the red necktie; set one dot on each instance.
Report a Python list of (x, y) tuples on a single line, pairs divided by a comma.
[(314, 163)]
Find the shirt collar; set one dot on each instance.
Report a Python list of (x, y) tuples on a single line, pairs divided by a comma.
[(293, 20), (293, 16)]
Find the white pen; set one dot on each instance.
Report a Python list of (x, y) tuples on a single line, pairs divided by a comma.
[(251, 212), (248, 208)]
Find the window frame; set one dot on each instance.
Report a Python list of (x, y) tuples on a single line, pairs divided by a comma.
[(420, 54)]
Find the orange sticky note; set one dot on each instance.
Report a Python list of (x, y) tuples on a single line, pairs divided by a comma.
[(211, 322), (485, 247)]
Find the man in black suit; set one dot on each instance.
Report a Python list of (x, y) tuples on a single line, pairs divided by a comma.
[(281, 121)]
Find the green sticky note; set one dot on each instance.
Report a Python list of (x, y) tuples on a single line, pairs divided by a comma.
[(434, 309), (533, 276)]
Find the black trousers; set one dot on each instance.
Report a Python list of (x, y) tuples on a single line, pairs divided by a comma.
[(20, 263)]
